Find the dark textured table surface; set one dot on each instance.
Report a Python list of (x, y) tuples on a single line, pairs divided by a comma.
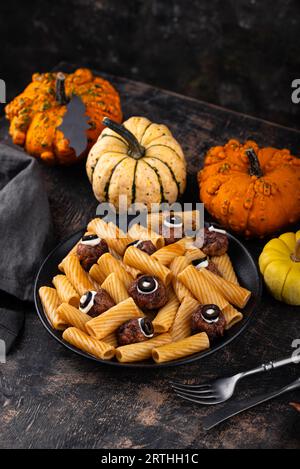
[(52, 398)]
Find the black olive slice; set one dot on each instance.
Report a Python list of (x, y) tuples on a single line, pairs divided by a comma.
[(146, 327), (87, 301), (135, 243), (89, 237), (147, 284), (198, 261), (211, 313)]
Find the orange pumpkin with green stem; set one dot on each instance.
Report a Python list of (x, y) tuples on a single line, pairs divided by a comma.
[(36, 114), (250, 190)]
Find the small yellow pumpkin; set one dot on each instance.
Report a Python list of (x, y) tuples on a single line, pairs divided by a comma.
[(138, 160), (279, 263)]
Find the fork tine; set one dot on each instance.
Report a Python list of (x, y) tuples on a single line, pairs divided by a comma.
[(202, 392), (196, 400), (189, 386)]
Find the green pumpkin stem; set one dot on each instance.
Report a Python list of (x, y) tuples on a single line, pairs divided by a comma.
[(296, 254), (255, 169), (60, 90), (136, 150)]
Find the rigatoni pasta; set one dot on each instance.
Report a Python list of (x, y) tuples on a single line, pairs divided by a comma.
[(65, 290), (50, 301), (115, 288), (132, 305), (72, 316), (142, 350), (88, 344), (182, 348), (202, 289), (110, 320), (76, 275), (165, 316), (142, 261)]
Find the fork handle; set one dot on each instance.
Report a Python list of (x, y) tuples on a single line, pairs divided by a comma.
[(272, 365)]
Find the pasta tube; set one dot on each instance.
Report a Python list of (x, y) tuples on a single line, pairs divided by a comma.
[(97, 274), (166, 254), (193, 254), (182, 348), (141, 350), (115, 238), (110, 320), (111, 339), (235, 294), (88, 344), (138, 231), (225, 267), (115, 288), (76, 275), (182, 324), (202, 289), (50, 301), (73, 316), (142, 261), (65, 290), (108, 264), (178, 265), (166, 315), (232, 316)]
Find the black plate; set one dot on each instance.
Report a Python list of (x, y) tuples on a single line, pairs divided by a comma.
[(245, 269)]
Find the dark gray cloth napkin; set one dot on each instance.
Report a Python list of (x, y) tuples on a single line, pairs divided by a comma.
[(25, 235)]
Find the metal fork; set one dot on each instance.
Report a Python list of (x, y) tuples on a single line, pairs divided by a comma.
[(222, 389)]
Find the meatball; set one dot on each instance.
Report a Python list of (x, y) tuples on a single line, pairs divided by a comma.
[(148, 292), (94, 303), (135, 330), (210, 319), (145, 246), (90, 249), (172, 229), (215, 243)]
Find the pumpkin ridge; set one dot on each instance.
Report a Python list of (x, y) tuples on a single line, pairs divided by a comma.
[(171, 171), (166, 146), (133, 189), (142, 136), (162, 195), (283, 285), (93, 167), (105, 191), (113, 136)]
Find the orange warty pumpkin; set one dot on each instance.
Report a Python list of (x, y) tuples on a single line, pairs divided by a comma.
[(36, 114), (250, 190)]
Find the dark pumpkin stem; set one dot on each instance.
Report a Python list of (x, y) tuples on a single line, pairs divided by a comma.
[(60, 89), (136, 150), (296, 254), (255, 169)]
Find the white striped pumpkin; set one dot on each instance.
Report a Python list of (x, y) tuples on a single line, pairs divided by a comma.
[(140, 160)]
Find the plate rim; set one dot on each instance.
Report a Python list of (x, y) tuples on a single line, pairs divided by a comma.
[(179, 362)]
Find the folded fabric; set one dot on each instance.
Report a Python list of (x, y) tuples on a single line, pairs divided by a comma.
[(25, 229)]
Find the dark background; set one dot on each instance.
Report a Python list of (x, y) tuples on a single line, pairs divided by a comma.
[(239, 54)]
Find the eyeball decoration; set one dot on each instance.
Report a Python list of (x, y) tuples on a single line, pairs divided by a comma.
[(144, 245), (90, 240), (135, 330), (210, 319), (172, 229), (148, 292), (89, 249), (147, 285), (95, 303)]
